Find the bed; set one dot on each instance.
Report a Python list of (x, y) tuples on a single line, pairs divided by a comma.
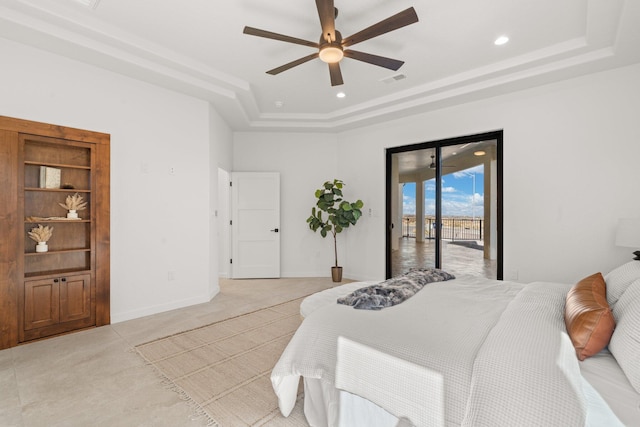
[(470, 352)]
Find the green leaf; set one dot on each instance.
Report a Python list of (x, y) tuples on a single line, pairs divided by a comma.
[(340, 213), (328, 197)]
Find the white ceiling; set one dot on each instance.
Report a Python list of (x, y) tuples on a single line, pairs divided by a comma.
[(197, 47)]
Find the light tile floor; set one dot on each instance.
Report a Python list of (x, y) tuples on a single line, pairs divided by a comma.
[(93, 378), (456, 258)]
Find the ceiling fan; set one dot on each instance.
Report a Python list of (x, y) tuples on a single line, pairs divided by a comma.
[(332, 47), (433, 163)]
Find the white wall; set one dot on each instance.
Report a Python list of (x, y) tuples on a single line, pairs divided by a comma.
[(571, 153), (159, 222), (220, 162), (305, 161)]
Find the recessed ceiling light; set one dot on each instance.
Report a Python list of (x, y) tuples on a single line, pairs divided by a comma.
[(501, 40), (341, 94), (89, 3), (479, 153)]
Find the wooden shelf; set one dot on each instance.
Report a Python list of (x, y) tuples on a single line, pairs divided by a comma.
[(58, 190), (61, 221), (57, 165), (63, 251), (56, 273)]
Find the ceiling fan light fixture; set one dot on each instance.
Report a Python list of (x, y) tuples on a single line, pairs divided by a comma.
[(331, 53)]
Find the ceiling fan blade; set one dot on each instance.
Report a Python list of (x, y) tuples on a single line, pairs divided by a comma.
[(275, 36), (394, 22), (336, 74), (327, 14), (392, 64), (292, 64)]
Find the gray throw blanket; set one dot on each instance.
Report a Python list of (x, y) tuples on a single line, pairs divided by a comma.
[(393, 291)]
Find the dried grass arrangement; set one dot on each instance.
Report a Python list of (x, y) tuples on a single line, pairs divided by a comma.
[(41, 233), (74, 203)]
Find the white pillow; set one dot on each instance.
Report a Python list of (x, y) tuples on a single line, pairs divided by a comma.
[(619, 279), (625, 342)]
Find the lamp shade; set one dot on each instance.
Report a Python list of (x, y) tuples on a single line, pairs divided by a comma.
[(628, 233)]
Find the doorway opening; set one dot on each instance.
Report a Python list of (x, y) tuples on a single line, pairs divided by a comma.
[(444, 206)]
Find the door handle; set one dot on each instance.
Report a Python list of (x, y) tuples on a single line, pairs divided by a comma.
[(275, 230)]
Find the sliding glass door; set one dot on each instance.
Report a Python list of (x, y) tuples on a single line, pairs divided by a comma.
[(449, 216)]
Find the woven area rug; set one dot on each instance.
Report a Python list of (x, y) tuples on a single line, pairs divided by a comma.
[(224, 368)]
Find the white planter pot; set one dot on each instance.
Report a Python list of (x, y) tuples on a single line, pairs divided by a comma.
[(72, 214), (42, 247)]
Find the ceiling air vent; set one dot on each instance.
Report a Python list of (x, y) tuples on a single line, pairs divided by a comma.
[(394, 78)]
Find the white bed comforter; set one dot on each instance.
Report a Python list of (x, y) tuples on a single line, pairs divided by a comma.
[(484, 353)]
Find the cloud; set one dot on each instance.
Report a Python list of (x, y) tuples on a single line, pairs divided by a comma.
[(478, 170), (408, 205), (457, 204), (455, 201)]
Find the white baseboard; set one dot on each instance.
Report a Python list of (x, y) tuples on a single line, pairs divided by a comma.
[(161, 308)]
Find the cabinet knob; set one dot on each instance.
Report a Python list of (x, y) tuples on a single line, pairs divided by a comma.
[(64, 279), (55, 280)]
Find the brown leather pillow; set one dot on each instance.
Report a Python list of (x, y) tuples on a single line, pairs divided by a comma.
[(587, 315)]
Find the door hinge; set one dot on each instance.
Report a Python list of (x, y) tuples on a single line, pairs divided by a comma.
[(230, 222), (230, 260), (230, 184)]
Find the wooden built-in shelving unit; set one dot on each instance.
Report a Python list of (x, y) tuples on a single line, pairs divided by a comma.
[(66, 288)]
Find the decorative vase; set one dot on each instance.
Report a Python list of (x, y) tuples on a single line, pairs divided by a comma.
[(42, 247), (336, 274), (72, 214)]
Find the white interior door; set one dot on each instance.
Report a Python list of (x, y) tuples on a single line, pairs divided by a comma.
[(255, 224)]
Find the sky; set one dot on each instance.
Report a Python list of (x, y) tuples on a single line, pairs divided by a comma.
[(458, 198)]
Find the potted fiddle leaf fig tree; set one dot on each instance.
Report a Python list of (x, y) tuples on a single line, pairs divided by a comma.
[(340, 214)]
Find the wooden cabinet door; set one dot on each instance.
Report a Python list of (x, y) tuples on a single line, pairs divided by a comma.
[(75, 297), (41, 303)]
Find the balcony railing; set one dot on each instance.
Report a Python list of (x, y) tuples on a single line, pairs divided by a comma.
[(452, 228)]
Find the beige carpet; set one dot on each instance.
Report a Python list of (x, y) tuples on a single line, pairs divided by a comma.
[(224, 368)]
